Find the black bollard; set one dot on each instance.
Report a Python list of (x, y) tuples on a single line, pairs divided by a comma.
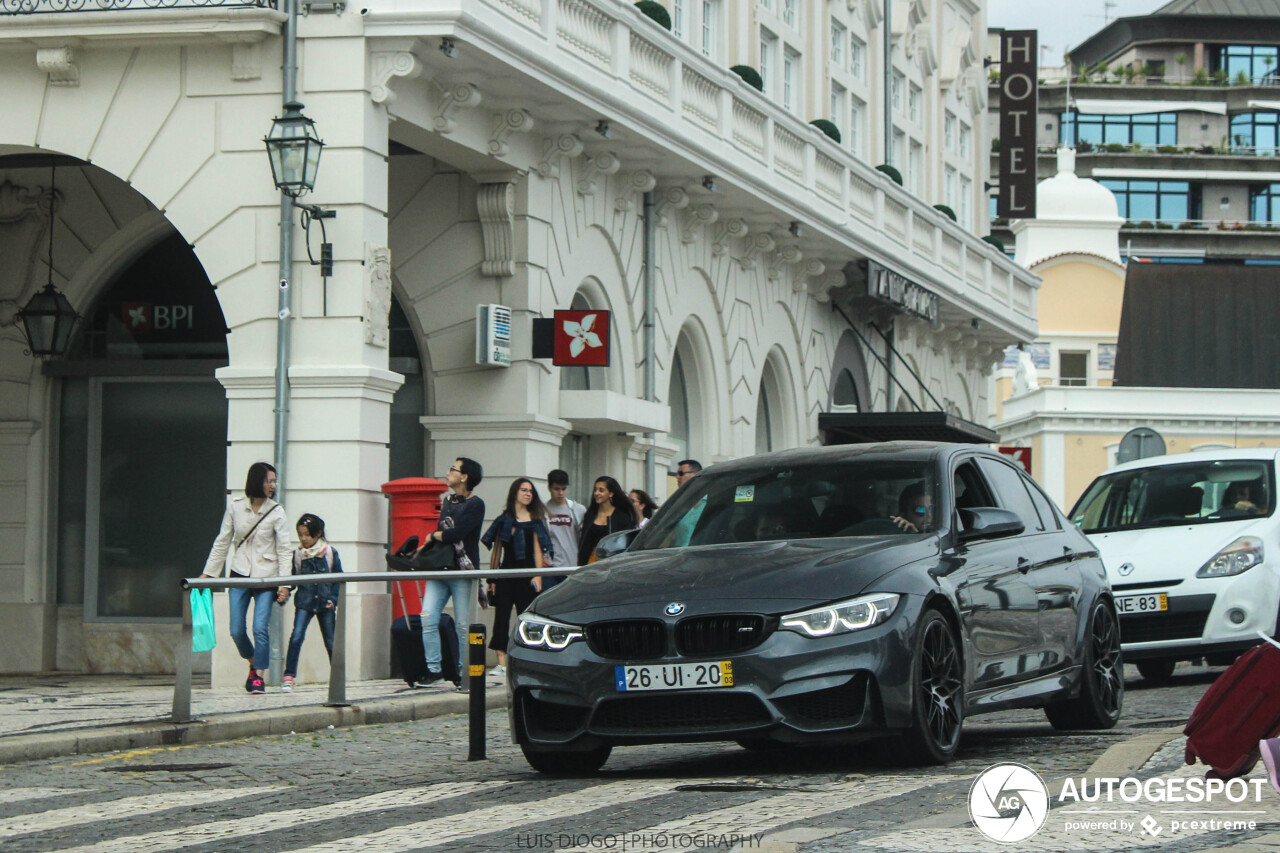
[(475, 676)]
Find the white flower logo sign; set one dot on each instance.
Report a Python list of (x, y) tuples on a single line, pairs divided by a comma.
[(582, 335)]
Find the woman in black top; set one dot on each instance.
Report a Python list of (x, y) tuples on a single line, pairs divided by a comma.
[(519, 539), (610, 511)]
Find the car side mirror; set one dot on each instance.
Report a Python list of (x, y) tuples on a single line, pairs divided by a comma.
[(615, 543), (988, 522)]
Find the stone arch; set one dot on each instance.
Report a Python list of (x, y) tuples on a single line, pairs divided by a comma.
[(694, 355), (776, 400), (848, 374)]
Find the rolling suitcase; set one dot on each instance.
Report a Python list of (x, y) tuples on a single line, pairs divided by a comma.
[(1239, 709), (406, 636)]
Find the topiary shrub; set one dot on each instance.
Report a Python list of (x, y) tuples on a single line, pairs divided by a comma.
[(656, 11), (750, 76), (891, 172), (946, 211), (827, 127), (995, 241)]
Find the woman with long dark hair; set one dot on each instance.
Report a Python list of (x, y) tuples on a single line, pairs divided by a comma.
[(518, 539), (609, 512), (644, 506)]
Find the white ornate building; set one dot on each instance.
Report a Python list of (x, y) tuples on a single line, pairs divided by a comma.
[(477, 151)]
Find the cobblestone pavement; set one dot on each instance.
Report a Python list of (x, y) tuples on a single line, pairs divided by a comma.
[(401, 787)]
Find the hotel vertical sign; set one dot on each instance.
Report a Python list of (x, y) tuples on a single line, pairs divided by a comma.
[(1018, 96)]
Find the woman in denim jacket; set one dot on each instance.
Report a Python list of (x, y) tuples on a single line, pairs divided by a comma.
[(315, 557), (519, 539)]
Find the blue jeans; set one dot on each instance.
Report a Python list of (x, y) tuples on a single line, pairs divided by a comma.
[(258, 651), (325, 618), (463, 592)]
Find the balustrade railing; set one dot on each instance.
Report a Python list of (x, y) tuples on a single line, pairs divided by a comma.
[(38, 7)]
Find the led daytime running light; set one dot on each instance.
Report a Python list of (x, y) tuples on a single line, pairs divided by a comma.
[(843, 617)]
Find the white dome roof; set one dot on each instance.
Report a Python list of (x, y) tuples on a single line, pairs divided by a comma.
[(1068, 196)]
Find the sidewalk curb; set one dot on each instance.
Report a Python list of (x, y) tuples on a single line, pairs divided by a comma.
[(242, 724)]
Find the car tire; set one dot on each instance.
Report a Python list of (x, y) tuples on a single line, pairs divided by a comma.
[(1156, 671), (566, 762), (937, 697), (1101, 697)]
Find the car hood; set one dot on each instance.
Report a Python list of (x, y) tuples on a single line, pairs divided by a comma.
[(766, 577), (1155, 554)]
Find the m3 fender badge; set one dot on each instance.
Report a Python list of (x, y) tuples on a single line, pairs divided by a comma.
[(675, 608)]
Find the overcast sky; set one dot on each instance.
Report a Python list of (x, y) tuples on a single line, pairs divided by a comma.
[(1063, 24)]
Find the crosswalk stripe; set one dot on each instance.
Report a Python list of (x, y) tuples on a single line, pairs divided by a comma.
[(225, 830), (445, 830), (17, 795), (127, 807), (722, 828)]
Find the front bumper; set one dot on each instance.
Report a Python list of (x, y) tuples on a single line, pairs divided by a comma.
[(790, 688)]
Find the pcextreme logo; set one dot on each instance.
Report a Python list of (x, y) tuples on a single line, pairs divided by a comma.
[(1008, 803)]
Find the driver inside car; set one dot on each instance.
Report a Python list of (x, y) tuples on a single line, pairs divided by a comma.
[(915, 509)]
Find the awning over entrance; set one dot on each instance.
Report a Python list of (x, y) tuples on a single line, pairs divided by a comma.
[(863, 427)]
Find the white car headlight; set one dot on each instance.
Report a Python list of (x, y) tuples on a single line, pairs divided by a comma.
[(844, 616), (1239, 556), (537, 632)]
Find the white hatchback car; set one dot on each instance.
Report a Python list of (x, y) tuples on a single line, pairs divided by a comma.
[(1184, 540)]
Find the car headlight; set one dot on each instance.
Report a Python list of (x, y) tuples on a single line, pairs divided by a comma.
[(1239, 556), (844, 616), (537, 632)]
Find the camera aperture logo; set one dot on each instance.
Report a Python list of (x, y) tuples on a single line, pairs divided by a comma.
[(1008, 803)]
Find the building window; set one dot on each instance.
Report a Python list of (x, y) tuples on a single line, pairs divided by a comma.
[(855, 56), (679, 24), (993, 204), (966, 139), (837, 106), (1073, 368), (949, 131), (915, 168), (768, 44), (899, 147), (857, 109), (838, 36), (1264, 203), (791, 14), (790, 83), (949, 188), (1155, 200), (914, 99), (899, 81), (1255, 62), (1255, 133), (710, 19), (1146, 129), (766, 4), (965, 213)]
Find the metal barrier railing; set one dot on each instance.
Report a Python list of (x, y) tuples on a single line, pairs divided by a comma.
[(338, 663)]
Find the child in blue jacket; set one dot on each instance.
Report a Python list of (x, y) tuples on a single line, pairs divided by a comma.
[(315, 557)]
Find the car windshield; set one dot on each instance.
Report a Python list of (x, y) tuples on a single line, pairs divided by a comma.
[(778, 501), (1169, 495)]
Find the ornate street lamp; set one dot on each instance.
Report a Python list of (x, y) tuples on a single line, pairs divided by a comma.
[(48, 319), (294, 149)]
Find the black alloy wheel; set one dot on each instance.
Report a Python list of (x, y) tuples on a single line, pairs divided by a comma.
[(1101, 682), (937, 712), (566, 762)]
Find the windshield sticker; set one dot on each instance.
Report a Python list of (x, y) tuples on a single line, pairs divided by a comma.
[(744, 494)]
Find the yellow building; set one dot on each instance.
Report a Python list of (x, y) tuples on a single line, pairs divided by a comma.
[(1056, 395)]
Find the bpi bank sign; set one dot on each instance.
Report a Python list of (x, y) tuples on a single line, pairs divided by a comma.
[(1009, 803), (144, 317)]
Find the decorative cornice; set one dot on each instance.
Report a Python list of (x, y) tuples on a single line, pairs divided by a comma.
[(386, 64), (810, 269), (453, 98), (635, 183), (505, 124), (673, 198), (60, 64), (695, 216), (757, 245), (730, 230), (496, 205), (787, 256), (553, 150), (605, 163)]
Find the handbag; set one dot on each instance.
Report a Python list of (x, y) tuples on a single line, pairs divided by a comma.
[(203, 636), (435, 556)]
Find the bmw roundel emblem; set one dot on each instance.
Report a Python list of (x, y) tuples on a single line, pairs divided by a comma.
[(675, 608), (1126, 569)]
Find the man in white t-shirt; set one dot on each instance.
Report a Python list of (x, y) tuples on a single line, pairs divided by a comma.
[(564, 518)]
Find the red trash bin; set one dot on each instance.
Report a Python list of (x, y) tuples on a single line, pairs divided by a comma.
[(415, 510)]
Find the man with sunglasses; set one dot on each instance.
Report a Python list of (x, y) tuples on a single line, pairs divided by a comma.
[(915, 509), (686, 470)]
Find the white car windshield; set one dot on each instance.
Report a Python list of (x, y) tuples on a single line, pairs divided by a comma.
[(1170, 495), (775, 502)]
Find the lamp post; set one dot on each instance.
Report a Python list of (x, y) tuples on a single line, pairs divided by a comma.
[(47, 321)]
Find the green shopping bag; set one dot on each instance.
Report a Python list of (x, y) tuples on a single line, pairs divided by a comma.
[(203, 638)]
